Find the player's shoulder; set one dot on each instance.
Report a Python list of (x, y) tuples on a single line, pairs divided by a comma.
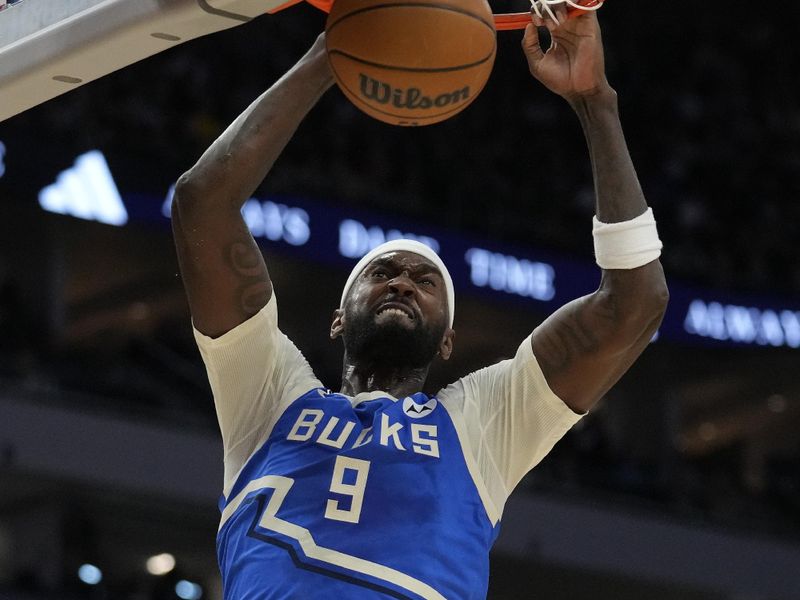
[(497, 373), (475, 378)]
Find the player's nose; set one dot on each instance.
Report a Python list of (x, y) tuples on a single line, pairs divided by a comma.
[(402, 285)]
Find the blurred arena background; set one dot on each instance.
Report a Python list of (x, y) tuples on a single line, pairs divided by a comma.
[(683, 485)]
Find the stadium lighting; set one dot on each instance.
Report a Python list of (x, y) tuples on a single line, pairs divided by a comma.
[(187, 590), (160, 564), (89, 574)]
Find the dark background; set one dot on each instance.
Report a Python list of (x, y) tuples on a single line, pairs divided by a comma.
[(93, 319)]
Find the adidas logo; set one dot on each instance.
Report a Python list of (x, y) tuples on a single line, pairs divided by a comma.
[(86, 191)]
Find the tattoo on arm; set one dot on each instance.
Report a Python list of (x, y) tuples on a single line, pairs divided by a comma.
[(574, 334), (246, 262)]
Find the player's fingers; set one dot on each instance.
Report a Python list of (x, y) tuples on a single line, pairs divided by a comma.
[(562, 14), (545, 16), (532, 46), (556, 16)]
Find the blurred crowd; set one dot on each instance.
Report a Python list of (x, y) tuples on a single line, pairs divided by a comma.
[(710, 103)]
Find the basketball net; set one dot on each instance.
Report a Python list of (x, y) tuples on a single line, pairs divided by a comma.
[(503, 22), (543, 8)]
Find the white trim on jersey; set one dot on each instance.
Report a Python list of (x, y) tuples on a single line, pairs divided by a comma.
[(270, 522), (472, 466)]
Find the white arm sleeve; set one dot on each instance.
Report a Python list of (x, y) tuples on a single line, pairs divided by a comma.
[(510, 418), (255, 372)]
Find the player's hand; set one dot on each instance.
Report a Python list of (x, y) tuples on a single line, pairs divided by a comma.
[(574, 65)]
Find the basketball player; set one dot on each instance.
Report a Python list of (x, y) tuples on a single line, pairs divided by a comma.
[(378, 490)]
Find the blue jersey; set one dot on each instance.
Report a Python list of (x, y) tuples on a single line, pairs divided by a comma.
[(356, 500), (328, 496)]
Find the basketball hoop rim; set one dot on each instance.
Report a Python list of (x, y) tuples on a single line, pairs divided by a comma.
[(502, 21)]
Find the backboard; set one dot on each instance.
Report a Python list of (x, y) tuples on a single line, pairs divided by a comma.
[(48, 48)]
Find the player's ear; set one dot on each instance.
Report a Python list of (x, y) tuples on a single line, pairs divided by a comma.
[(337, 324), (446, 345)]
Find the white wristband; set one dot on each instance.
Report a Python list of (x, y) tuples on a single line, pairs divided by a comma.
[(627, 245)]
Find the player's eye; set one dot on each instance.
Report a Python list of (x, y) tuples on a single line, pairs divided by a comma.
[(379, 274), (427, 282)]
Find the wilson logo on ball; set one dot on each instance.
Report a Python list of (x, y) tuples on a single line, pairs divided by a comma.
[(384, 93), (411, 62)]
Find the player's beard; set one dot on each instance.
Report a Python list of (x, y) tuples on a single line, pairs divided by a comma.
[(390, 344)]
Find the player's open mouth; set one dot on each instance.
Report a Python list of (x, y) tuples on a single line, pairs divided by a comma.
[(396, 309)]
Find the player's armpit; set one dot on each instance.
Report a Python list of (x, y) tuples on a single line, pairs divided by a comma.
[(586, 346), (223, 270)]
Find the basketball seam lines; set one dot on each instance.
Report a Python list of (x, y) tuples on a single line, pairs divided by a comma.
[(415, 69), (410, 5)]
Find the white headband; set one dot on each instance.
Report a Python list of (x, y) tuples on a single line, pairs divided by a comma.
[(405, 246)]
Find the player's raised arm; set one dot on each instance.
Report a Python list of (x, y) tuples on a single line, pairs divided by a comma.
[(586, 346), (223, 270)]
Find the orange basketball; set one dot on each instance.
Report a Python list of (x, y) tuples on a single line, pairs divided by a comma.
[(411, 62)]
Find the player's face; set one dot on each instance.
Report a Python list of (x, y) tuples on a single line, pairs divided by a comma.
[(397, 311)]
